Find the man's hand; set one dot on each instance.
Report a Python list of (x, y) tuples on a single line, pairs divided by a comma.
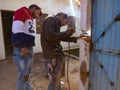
[(25, 52), (70, 31), (74, 39), (50, 67)]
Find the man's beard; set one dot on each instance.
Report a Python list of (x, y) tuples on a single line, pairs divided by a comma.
[(33, 16)]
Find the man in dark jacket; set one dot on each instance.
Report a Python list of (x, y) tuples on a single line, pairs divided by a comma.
[(23, 40), (52, 50)]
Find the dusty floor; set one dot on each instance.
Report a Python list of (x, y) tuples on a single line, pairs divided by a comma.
[(8, 74)]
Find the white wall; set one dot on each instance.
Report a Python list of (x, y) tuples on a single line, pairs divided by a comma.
[(2, 51), (37, 47), (49, 6), (85, 21), (84, 56)]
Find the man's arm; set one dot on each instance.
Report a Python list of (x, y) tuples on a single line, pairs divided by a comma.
[(70, 39), (17, 28), (50, 33)]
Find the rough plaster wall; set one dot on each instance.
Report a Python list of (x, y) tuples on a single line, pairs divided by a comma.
[(84, 46), (84, 57), (85, 21), (2, 52), (49, 6), (89, 6), (13, 4)]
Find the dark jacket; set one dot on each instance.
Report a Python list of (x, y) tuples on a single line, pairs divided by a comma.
[(51, 37)]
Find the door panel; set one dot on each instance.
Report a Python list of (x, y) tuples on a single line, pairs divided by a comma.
[(105, 54), (7, 18)]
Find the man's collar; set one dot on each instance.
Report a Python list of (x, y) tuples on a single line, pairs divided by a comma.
[(58, 21)]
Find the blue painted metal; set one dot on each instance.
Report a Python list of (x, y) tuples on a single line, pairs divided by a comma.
[(105, 54)]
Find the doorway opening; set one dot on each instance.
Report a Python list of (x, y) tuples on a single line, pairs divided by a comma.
[(7, 19)]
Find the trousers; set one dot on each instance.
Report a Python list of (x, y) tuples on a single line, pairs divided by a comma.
[(23, 65), (54, 77)]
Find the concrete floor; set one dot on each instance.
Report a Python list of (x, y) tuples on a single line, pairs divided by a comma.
[(8, 74)]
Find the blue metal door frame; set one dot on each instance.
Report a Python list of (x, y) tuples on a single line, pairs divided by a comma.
[(105, 53)]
